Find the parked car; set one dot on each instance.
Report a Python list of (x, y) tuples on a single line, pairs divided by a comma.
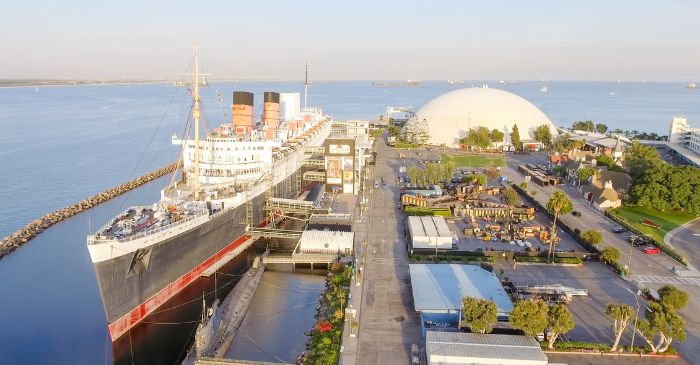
[(651, 250), (618, 229), (576, 213)]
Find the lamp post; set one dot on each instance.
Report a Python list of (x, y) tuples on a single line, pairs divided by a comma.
[(636, 317), (459, 301)]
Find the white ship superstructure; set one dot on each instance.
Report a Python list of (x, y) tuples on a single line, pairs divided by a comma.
[(147, 254)]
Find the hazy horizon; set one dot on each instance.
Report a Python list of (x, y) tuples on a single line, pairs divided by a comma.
[(595, 40)]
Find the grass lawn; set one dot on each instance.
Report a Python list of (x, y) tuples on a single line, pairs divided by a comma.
[(667, 220), (464, 160)]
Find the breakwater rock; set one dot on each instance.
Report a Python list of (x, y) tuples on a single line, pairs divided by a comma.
[(31, 230)]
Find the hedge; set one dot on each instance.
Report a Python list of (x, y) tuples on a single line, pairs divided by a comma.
[(451, 258), (662, 246), (556, 260), (578, 346), (441, 212)]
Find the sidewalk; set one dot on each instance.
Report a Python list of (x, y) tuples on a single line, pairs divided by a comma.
[(350, 340)]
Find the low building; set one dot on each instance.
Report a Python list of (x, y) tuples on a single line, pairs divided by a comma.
[(602, 195), (438, 290), (326, 242), (428, 232), (475, 348), (621, 181)]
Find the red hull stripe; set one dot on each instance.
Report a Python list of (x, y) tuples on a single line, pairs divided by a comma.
[(129, 320)]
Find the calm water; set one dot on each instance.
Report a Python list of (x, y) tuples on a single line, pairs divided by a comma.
[(283, 309), (61, 144)]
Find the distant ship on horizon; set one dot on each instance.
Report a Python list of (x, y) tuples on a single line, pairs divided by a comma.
[(691, 85), (396, 83)]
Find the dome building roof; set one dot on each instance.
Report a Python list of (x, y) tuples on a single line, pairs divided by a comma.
[(450, 116)]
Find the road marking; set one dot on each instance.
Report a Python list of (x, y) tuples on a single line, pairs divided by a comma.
[(665, 280)]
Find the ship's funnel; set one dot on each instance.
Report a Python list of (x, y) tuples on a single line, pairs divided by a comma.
[(271, 109), (242, 110)]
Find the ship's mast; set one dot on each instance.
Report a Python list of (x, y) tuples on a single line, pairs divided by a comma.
[(195, 114), (306, 83)]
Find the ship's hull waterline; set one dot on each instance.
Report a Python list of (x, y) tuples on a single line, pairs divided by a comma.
[(131, 295)]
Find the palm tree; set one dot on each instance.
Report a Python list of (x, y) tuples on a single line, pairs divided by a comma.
[(558, 203)]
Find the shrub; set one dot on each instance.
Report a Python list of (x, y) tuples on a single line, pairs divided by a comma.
[(580, 346), (592, 236)]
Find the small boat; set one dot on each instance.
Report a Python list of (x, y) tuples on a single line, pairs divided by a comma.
[(691, 85), (544, 89)]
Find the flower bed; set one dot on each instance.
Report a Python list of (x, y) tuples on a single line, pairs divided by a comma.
[(650, 223), (324, 345)]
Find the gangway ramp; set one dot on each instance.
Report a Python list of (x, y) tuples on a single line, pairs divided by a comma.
[(274, 233), (302, 258), (289, 205), (315, 162), (319, 176), (314, 150)]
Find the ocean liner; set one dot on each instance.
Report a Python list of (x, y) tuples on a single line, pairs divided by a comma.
[(147, 254)]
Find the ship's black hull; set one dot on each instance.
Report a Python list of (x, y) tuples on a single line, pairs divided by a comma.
[(124, 287)]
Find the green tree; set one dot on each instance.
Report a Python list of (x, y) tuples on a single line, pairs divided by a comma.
[(511, 197), (479, 137), (413, 173), (530, 316), (586, 126), (640, 158), (447, 170), (492, 173), (558, 204), (515, 138), (670, 295), (667, 187), (601, 128), (544, 135), (496, 135), (585, 173), (559, 321), (621, 315), (605, 160), (479, 315), (433, 173), (610, 254), (662, 323), (592, 236)]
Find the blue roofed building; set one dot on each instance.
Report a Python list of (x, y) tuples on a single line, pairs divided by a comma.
[(438, 289)]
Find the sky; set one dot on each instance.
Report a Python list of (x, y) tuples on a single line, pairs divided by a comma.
[(629, 40)]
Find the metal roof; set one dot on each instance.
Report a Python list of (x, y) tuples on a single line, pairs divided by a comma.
[(428, 226), (459, 347), (326, 241), (440, 287)]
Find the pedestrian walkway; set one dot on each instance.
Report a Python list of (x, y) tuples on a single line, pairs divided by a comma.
[(665, 280)]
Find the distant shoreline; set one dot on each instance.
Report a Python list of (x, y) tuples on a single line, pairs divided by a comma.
[(6, 84)]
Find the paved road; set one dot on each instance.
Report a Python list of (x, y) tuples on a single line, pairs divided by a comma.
[(686, 240), (650, 265), (651, 271), (388, 324)]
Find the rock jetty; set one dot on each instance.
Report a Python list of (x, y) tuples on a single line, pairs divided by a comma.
[(31, 230)]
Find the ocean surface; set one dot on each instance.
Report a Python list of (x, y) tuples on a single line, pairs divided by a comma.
[(61, 144)]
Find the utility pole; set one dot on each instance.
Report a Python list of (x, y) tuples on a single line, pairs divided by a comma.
[(306, 83)]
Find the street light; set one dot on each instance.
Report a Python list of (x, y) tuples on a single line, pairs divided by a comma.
[(636, 317)]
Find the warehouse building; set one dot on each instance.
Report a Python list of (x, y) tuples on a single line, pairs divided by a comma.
[(476, 348), (428, 232), (439, 288), (326, 242)]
